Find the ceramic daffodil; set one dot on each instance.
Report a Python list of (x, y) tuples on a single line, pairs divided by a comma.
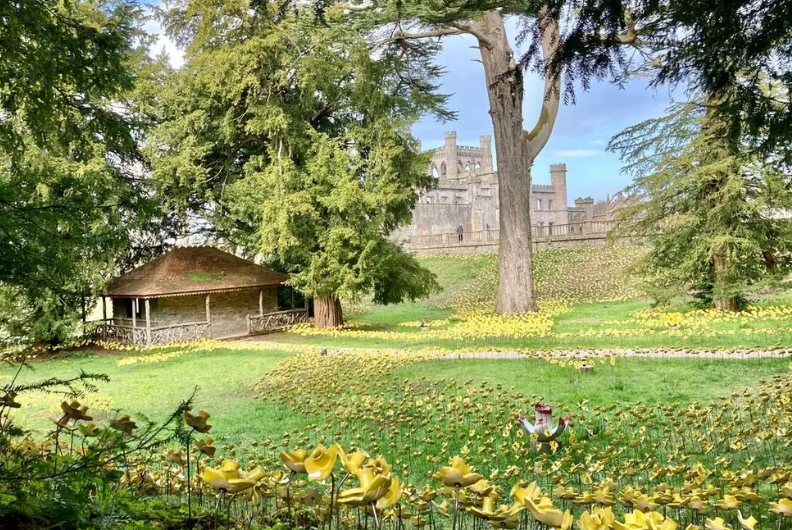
[(458, 474), (321, 462), (230, 479)]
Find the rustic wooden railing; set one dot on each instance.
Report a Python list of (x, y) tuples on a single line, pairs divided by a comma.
[(180, 332), (570, 230), (268, 322), (109, 331)]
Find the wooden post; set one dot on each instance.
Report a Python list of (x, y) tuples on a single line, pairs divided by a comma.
[(208, 315), (148, 324), (261, 302), (134, 315), (104, 309)]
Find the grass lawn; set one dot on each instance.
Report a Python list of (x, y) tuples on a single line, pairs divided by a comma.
[(603, 309), (224, 379)]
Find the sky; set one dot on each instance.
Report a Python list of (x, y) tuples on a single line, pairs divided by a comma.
[(581, 131)]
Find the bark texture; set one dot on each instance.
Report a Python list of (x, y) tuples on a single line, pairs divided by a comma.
[(327, 312), (516, 151)]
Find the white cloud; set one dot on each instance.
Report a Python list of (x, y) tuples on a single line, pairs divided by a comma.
[(598, 142), (164, 44), (576, 153)]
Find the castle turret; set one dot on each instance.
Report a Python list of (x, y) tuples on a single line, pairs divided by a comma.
[(558, 173), (485, 141), (587, 205), (451, 155)]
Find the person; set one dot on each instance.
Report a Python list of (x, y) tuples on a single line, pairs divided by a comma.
[(460, 230)]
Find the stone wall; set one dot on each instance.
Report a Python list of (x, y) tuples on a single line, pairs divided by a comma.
[(228, 310), (437, 219), (539, 244)]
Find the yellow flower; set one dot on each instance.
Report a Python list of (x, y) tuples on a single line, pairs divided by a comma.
[(205, 447), (531, 491), (786, 490), (746, 524), (89, 429), (9, 400), (123, 424), (442, 508), (392, 496), (782, 507), (544, 512), (294, 460), (354, 461), (716, 524), (74, 411), (321, 462), (503, 517), (457, 474), (728, 502), (230, 479), (177, 457), (198, 423), (598, 519), (373, 486)]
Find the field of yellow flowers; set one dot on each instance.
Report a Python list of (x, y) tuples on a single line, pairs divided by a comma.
[(389, 439), (588, 299)]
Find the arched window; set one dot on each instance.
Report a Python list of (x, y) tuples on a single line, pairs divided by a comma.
[(478, 166), (538, 204), (550, 204), (467, 168), (435, 173), (443, 170)]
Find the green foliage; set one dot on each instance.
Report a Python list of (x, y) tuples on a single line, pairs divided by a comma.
[(741, 47), (71, 198), (699, 200), (305, 157)]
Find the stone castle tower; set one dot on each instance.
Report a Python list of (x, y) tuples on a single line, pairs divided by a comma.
[(467, 193)]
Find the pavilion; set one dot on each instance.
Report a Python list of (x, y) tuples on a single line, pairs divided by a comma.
[(197, 292)]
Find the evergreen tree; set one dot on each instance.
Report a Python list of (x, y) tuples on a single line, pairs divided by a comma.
[(287, 137), (71, 201), (709, 208)]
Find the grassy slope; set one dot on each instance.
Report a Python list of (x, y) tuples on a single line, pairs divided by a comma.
[(584, 274), (224, 379)]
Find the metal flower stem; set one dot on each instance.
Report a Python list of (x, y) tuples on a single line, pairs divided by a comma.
[(332, 495), (456, 507), (374, 510), (189, 481)]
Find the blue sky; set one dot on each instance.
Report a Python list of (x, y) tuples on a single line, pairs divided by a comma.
[(581, 131)]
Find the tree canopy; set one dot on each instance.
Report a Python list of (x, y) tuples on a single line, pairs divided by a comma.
[(289, 138), (72, 200), (710, 212)]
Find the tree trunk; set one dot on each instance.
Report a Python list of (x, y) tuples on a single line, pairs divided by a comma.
[(721, 255), (327, 312), (516, 152), (721, 265)]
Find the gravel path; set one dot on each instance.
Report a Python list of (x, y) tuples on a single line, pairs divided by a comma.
[(661, 353)]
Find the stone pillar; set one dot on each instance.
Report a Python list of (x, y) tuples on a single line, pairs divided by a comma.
[(558, 174), (134, 311), (485, 141), (451, 158)]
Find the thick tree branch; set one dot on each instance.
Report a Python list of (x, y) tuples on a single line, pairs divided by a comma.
[(455, 29), (538, 136), (630, 36)]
